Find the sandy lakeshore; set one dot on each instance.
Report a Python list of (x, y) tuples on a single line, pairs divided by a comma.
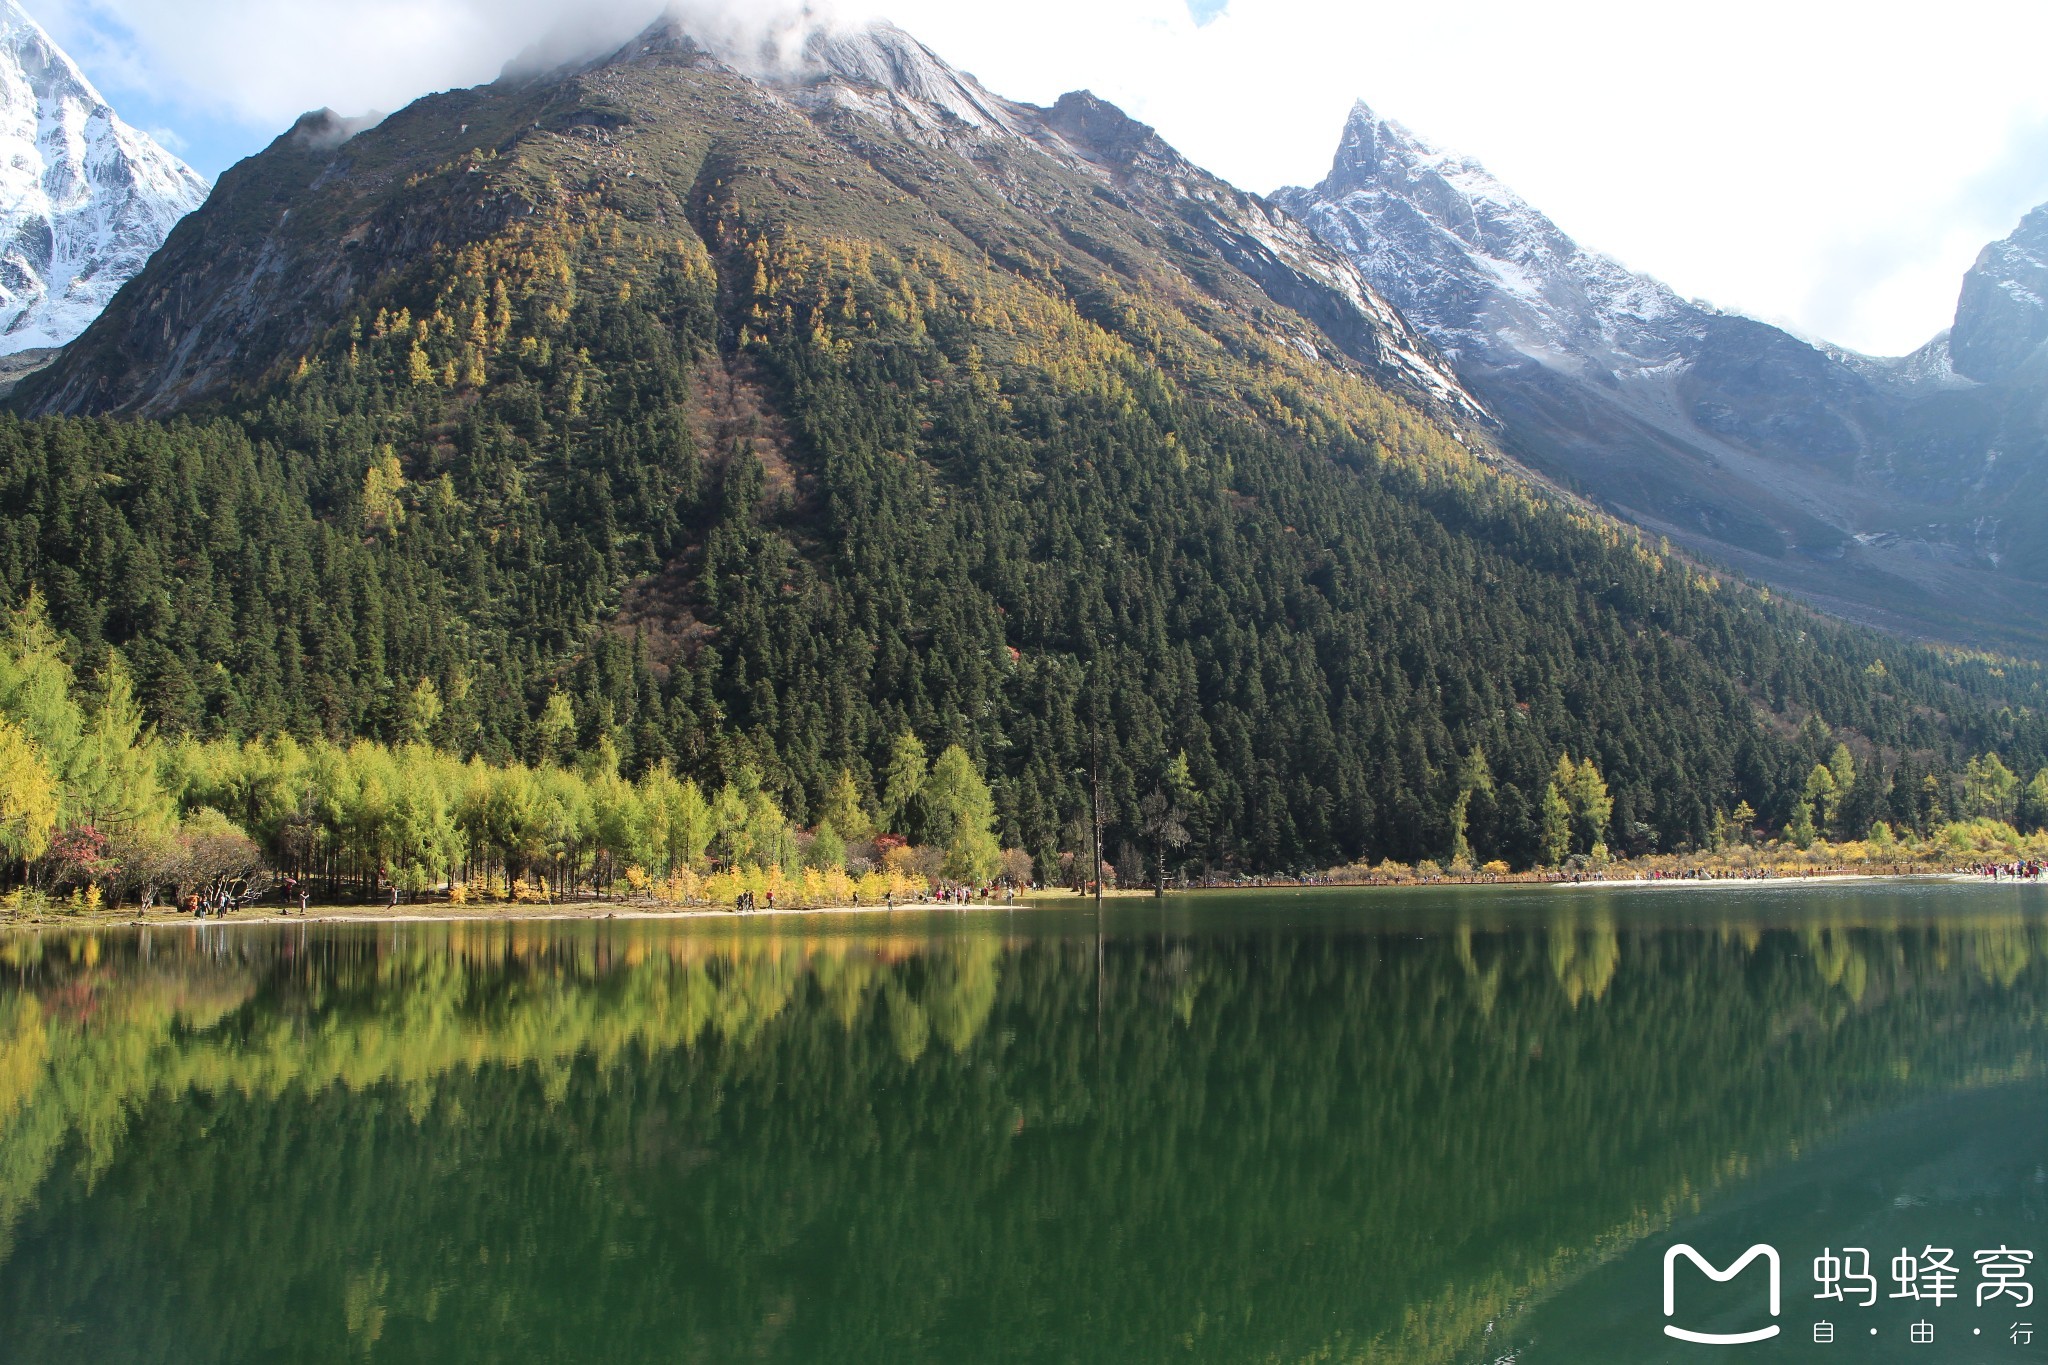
[(453, 914), (442, 913)]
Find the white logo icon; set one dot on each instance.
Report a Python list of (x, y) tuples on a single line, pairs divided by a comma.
[(1769, 1254)]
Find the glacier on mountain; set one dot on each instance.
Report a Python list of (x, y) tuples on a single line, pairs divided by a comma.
[(85, 199)]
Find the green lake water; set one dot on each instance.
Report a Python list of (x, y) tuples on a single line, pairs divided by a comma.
[(1427, 1126)]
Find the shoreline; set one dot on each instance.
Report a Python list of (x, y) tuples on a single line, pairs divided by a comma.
[(1823, 878), (493, 914), (600, 910)]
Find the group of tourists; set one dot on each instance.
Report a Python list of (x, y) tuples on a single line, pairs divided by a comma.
[(746, 901), (2026, 870), (224, 900), (215, 904)]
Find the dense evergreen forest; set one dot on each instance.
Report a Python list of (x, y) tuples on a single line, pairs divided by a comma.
[(700, 481)]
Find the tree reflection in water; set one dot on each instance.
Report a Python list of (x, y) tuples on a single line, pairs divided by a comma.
[(1289, 1136)]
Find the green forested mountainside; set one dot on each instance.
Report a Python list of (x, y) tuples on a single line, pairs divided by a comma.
[(764, 435)]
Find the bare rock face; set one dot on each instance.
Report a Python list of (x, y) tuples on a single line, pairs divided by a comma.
[(85, 200), (2002, 315)]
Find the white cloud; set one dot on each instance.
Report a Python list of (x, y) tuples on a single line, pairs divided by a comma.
[(1834, 164), (267, 61)]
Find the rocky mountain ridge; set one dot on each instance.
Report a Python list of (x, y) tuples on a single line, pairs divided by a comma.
[(1872, 486), (193, 334)]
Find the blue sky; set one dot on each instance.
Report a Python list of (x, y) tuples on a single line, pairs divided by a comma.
[(208, 139), (1828, 166), (208, 144)]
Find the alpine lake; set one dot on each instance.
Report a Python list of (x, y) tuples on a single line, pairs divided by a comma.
[(1429, 1125)]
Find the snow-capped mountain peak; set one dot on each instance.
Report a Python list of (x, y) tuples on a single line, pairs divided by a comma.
[(1486, 274), (85, 199), (1379, 153)]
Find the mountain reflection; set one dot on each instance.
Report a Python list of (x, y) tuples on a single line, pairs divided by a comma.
[(1255, 1135)]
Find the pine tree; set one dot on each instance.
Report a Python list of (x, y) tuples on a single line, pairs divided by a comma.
[(36, 688), (556, 730), (844, 810), (28, 796), (115, 785), (1742, 822), (1557, 826), (1475, 779), (1585, 795), (903, 781), (828, 850), (1163, 820), (423, 712), (1821, 796), (961, 818), (1800, 829), (2035, 807), (1989, 788)]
